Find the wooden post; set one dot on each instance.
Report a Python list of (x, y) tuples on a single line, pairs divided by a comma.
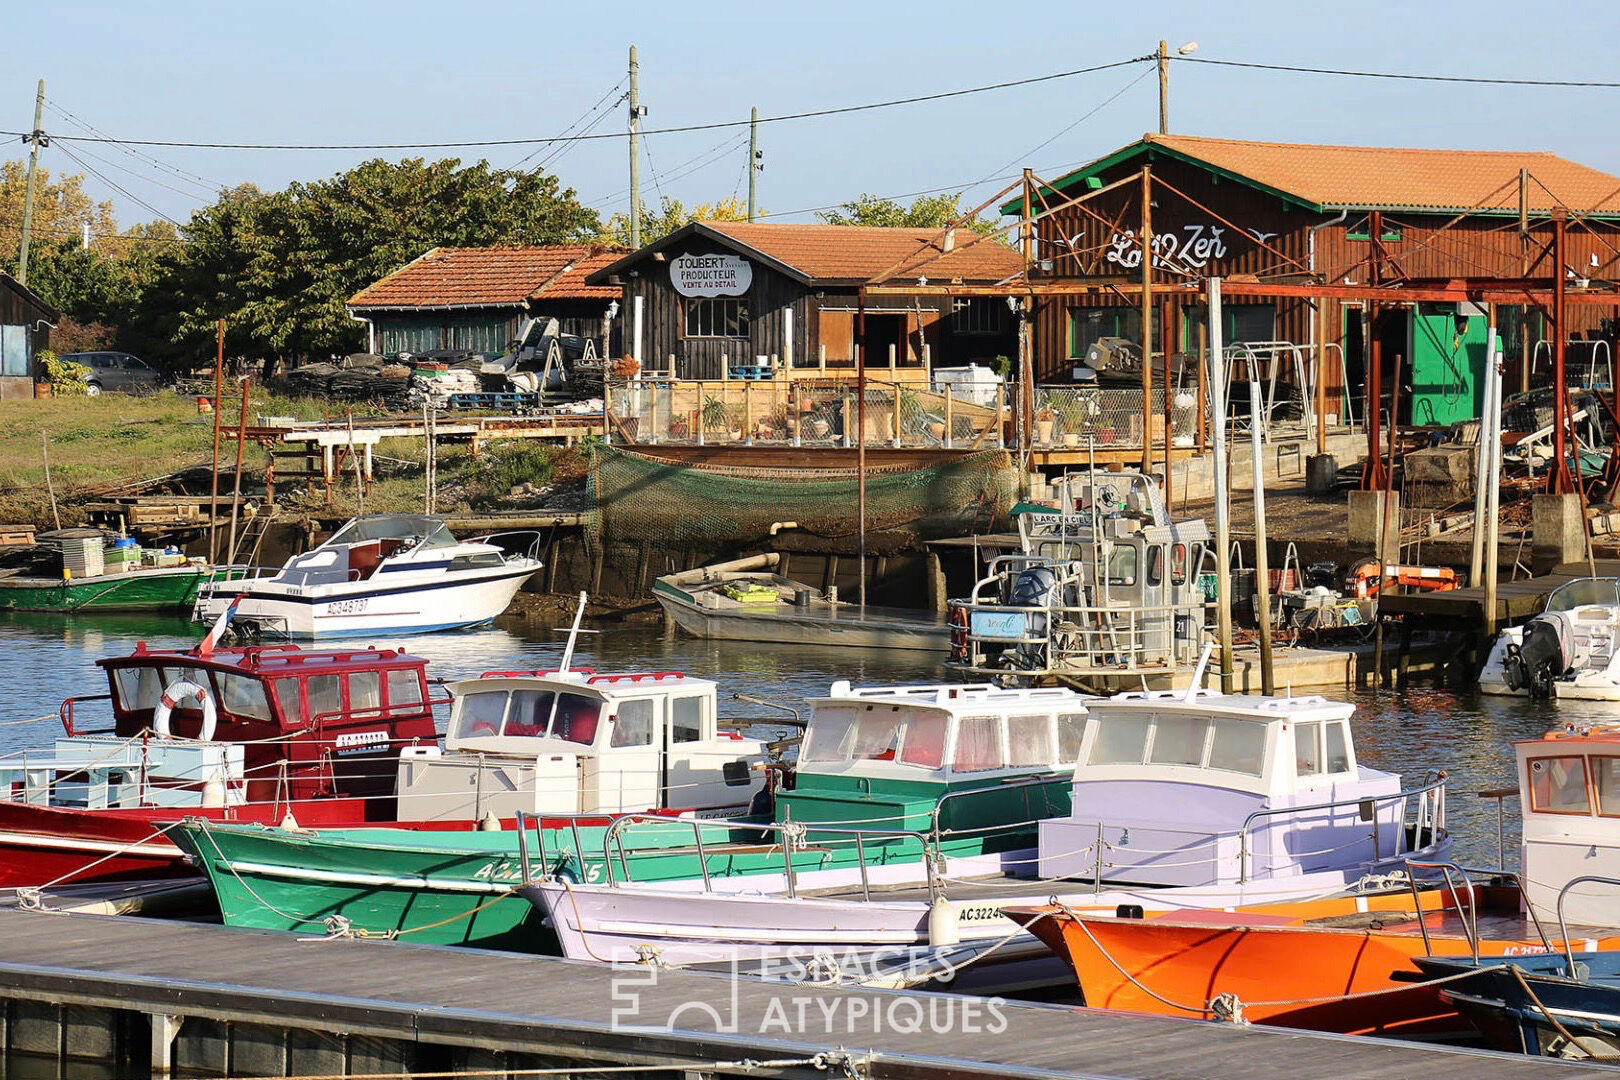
[(1223, 493), (860, 439), (1559, 479), (1203, 389), (1493, 475), (1262, 561), (748, 413), (950, 416), (213, 493), (894, 418), (1167, 335), (1321, 377), (1026, 354), (821, 356), (236, 479), (1146, 238), (50, 488)]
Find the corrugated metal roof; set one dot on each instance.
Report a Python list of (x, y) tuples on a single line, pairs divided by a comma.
[(1389, 178), (492, 277)]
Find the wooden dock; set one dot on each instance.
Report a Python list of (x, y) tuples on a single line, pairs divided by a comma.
[(1516, 601), (207, 1000)]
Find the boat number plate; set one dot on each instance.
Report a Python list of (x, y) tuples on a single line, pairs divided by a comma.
[(1006, 625), (348, 607)]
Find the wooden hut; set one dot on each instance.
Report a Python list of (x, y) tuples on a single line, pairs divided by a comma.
[(25, 328)]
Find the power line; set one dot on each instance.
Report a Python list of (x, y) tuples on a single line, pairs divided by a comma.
[(570, 128), (190, 177), (716, 125), (131, 196), (1411, 77)]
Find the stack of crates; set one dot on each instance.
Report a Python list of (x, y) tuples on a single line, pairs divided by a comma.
[(81, 556), (122, 557)]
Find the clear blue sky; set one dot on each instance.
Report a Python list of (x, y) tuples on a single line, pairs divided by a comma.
[(408, 71)]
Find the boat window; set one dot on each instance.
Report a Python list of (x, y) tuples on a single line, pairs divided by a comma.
[(1122, 565), (480, 713), (1606, 778), (1558, 785), (242, 695), (686, 719), (876, 734), (325, 700), (1121, 740), (529, 713), (577, 718), (1307, 749), (404, 687), (1071, 729), (633, 724), (395, 527), (1155, 570), (978, 744), (482, 558), (1338, 747), (1582, 592), (291, 702), (1238, 747), (365, 691), (1029, 740), (825, 735), (1178, 564), (924, 743), (138, 687), (1179, 740)]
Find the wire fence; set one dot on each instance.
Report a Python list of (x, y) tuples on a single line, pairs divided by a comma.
[(1083, 416)]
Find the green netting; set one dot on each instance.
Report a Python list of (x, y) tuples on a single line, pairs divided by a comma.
[(639, 497)]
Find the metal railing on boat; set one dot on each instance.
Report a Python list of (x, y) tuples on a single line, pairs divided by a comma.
[(1431, 816)]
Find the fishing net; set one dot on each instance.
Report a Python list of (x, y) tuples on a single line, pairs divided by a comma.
[(642, 497)]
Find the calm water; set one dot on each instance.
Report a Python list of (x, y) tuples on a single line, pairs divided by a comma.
[(48, 658)]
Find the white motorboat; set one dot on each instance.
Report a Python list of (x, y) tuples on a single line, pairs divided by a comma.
[(1568, 651), (393, 573)]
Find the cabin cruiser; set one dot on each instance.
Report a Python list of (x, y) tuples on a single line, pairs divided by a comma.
[(1106, 586), (1175, 799), (1571, 650), (379, 573)]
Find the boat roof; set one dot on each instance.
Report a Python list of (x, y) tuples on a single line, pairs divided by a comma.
[(1599, 734), (953, 695), (261, 661), (392, 527), (1237, 706), (585, 679)]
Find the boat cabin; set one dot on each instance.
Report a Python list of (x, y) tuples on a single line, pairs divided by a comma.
[(1196, 788), (1105, 582), (388, 543), (891, 757), (268, 724), (1569, 797), (575, 742)]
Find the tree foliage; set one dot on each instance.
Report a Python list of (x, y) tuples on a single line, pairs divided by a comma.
[(61, 210), (925, 212), (669, 216)]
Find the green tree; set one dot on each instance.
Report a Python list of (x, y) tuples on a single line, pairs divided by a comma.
[(670, 216), (925, 212), (61, 210)]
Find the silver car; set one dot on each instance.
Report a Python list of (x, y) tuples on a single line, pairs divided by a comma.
[(115, 371)]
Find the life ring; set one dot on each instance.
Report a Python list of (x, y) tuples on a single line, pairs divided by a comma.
[(959, 633), (178, 691)]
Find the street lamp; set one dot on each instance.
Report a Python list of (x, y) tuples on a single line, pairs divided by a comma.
[(1164, 81)]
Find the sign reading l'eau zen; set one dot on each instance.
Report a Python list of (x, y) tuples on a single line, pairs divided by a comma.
[(710, 275)]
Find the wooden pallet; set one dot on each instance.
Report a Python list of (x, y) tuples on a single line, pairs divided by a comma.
[(16, 535)]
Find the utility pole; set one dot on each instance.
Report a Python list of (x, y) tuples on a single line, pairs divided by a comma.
[(1164, 88), (753, 160), (38, 138), (636, 113)]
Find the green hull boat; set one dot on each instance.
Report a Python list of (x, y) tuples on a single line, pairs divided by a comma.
[(157, 589)]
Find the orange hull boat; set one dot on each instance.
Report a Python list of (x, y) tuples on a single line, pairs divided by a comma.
[(1293, 965)]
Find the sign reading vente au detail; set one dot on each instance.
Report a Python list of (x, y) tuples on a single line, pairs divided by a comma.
[(711, 275)]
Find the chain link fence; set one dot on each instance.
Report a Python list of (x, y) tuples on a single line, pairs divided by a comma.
[(1100, 416)]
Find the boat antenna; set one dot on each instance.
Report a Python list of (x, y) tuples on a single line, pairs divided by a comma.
[(1198, 672), (573, 636)]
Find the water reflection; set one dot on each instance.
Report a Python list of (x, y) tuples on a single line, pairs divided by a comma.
[(51, 657)]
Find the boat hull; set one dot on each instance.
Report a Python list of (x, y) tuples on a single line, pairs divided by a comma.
[(367, 608), (786, 627), (173, 589)]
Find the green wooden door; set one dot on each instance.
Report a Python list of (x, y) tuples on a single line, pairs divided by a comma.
[(1448, 359)]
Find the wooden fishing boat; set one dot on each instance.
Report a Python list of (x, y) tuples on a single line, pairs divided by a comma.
[(746, 601), (1292, 966), (170, 588)]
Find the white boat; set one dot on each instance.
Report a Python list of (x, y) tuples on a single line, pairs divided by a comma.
[(746, 600), (1179, 799), (1568, 651), (394, 573)]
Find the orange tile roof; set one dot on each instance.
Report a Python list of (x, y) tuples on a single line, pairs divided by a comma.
[(1370, 177), (860, 253), (492, 277)]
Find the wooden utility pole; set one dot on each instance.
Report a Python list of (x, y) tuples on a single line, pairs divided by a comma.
[(860, 440), (753, 161), (236, 477), (1147, 322), (636, 113), (1321, 377), (1262, 561), (1559, 479), (1223, 495), (1493, 472), (1026, 355), (1164, 88), (37, 138), (213, 494)]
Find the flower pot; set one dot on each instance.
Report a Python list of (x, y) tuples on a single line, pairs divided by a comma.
[(42, 390), (1043, 431), (1071, 439)]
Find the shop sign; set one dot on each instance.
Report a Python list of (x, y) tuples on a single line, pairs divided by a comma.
[(1191, 247), (711, 275)]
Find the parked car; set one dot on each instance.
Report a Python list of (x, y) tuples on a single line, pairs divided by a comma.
[(115, 371)]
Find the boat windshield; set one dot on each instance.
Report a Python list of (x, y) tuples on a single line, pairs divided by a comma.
[(1568, 597), (395, 527), (527, 713), (140, 686)]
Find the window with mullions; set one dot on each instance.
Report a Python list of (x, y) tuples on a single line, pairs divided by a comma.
[(979, 315), (717, 316), (1088, 324)]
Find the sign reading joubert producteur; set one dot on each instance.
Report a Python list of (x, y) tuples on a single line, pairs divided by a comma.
[(711, 275)]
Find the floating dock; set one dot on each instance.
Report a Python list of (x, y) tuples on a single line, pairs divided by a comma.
[(207, 1000)]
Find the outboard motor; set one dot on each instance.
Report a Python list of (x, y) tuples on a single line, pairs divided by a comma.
[(1034, 588), (1537, 660)]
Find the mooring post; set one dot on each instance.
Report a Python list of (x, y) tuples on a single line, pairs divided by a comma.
[(164, 1030)]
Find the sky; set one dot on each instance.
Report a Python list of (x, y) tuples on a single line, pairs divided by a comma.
[(410, 72)]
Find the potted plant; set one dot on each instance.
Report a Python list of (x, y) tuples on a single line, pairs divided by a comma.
[(716, 416), (1044, 420), (1074, 411)]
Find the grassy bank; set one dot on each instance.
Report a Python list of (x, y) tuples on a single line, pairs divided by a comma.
[(115, 439)]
